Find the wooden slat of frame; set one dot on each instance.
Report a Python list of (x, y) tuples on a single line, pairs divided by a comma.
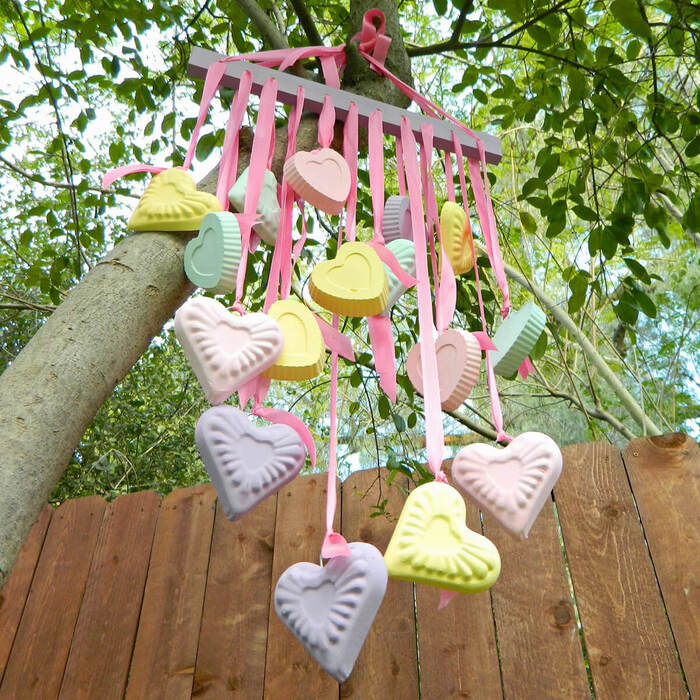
[(100, 654), (538, 639), (315, 93), (233, 635), (165, 651), (387, 665), (300, 525), (14, 594), (458, 655), (665, 476), (628, 640), (43, 640)]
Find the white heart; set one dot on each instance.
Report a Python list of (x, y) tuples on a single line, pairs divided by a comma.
[(246, 464), (225, 350), (513, 483), (330, 609)]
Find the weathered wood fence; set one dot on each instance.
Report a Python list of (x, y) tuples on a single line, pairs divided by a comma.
[(151, 598)]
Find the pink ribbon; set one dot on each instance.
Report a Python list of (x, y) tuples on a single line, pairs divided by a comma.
[(335, 341), (372, 39), (525, 368)]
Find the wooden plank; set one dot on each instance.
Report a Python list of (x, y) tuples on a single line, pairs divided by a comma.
[(387, 665), (42, 643), (315, 93), (665, 475), (14, 593), (541, 655), (100, 654), (165, 651), (457, 645), (628, 640), (233, 635), (300, 525)]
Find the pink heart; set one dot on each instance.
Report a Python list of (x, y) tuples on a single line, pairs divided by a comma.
[(458, 361), (321, 178), (513, 483), (226, 350)]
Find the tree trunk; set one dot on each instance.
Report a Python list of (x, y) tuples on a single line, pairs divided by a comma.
[(51, 392)]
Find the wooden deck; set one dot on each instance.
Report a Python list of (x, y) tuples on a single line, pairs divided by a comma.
[(151, 598)]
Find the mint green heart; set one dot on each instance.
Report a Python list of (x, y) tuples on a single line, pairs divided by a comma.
[(212, 259), (516, 337), (404, 253)]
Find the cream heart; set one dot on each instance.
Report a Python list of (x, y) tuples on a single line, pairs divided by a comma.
[(458, 362), (330, 609), (512, 483), (225, 350), (321, 178), (246, 464), (432, 544)]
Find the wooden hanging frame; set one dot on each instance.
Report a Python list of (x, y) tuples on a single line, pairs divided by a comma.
[(314, 94)]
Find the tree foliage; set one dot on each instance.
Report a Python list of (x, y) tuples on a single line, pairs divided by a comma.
[(596, 200)]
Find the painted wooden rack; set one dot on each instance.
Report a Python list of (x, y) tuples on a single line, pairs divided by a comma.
[(314, 94), (150, 598)]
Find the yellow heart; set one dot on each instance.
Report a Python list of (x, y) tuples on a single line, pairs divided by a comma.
[(303, 350), (172, 202), (432, 544), (454, 232), (353, 283)]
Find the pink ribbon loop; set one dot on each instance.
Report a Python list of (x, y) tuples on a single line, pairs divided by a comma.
[(382, 341), (389, 259), (276, 415), (334, 545), (372, 39), (485, 343), (525, 368), (117, 173), (335, 341)]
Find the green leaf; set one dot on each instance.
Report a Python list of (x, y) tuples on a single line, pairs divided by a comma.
[(528, 221), (638, 270), (440, 6), (540, 347), (585, 213), (541, 36), (355, 378), (549, 167), (383, 406), (693, 148), (399, 422), (645, 303), (627, 13)]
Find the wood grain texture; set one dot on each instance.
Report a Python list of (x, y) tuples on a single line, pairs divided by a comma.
[(233, 635), (165, 651), (14, 593), (42, 643), (290, 672), (629, 644), (665, 476), (103, 641), (541, 655), (387, 665), (457, 645)]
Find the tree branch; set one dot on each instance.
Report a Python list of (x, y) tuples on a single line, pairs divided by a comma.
[(307, 22), (272, 37)]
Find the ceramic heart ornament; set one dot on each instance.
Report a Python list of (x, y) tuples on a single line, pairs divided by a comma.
[(303, 350), (396, 222), (512, 483), (458, 360), (246, 464), (321, 178), (432, 543), (268, 208), (404, 253), (454, 234), (516, 337), (353, 283), (172, 202), (225, 350), (212, 259), (330, 609)]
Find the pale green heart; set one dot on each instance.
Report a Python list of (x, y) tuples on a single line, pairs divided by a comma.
[(212, 259), (404, 254), (516, 337), (268, 208)]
